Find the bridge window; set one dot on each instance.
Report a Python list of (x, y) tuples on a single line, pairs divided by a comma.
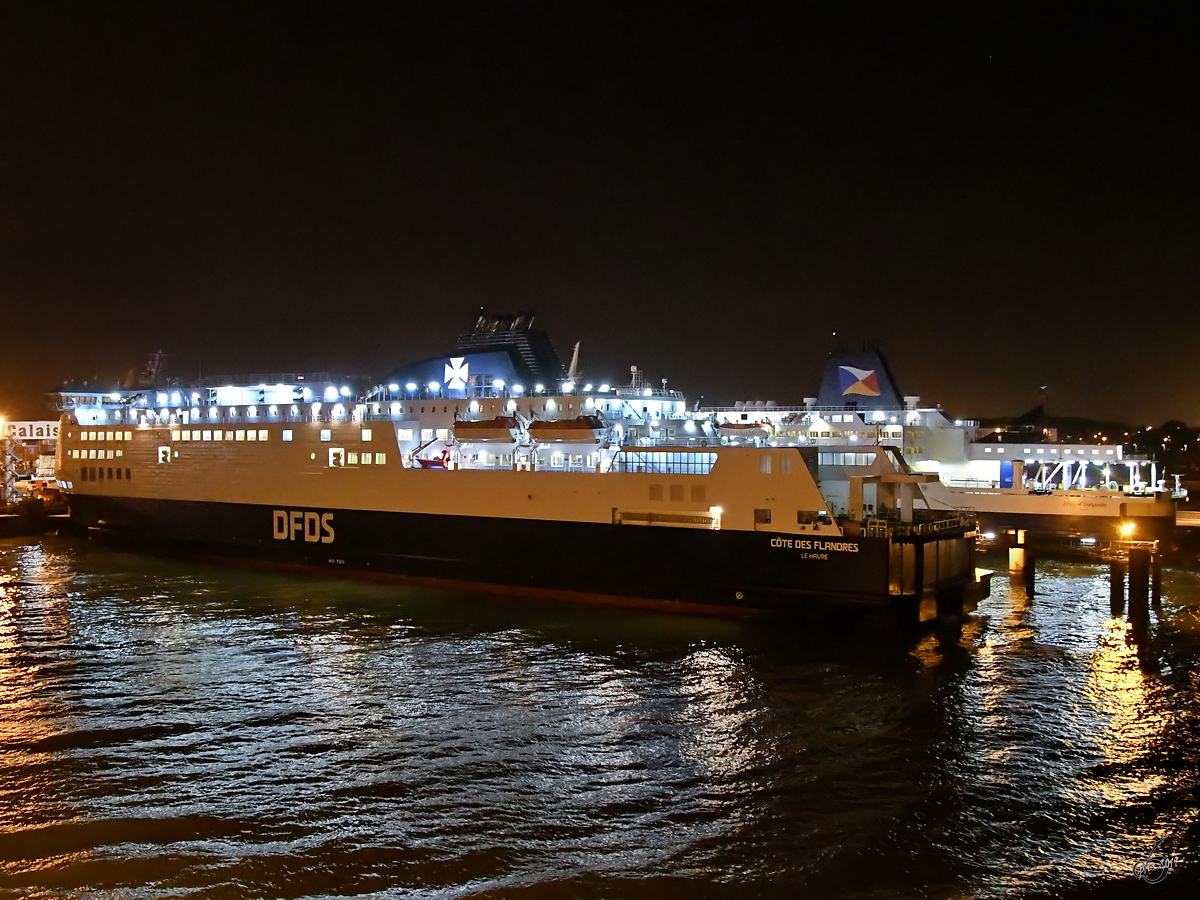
[(663, 462), (846, 459)]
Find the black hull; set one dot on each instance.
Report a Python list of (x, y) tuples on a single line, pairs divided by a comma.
[(693, 567)]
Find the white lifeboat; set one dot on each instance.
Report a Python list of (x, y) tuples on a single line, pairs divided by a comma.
[(744, 429), (501, 429), (580, 430)]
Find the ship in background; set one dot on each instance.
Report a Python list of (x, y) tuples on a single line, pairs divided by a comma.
[(1009, 478), (495, 465)]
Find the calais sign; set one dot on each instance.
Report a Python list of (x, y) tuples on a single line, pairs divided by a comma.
[(32, 431)]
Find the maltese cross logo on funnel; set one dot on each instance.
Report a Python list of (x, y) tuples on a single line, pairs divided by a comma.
[(858, 381), (457, 373)]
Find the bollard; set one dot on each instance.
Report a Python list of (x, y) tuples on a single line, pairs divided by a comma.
[(1116, 588), (1139, 590)]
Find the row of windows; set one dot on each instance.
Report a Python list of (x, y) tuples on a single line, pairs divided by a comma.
[(1108, 451), (846, 459), (327, 434), (427, 434), (210, 435), (803, 517), (96, 473), (339, 458), (785, 464), (664, 463), (96, 454), (675, 493), (218, 435)]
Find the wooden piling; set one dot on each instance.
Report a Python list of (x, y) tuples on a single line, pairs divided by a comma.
[(1139, 589), (1029, 573), (1116, 587)]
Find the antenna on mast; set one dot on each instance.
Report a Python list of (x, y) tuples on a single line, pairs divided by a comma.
[(573, 369)]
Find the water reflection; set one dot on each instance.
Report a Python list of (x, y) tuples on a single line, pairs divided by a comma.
[(168, 728)]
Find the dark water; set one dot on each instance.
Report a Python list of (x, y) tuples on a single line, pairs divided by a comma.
[(177, 730)]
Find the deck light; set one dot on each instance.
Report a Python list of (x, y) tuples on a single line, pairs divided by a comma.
[(587, 387), (393, 387), (604, 388), (331, 393), (518, 388), (538, 388), (498, 384), (434, 386), (411, 386), (345, 392), (567, 387)]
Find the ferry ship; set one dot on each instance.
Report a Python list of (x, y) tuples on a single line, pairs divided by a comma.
[(494, 466), (1008, 481)]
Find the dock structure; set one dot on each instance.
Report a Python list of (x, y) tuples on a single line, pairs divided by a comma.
[(1134, 575)]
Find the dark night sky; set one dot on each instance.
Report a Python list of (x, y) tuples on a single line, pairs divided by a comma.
[(1001, 196)]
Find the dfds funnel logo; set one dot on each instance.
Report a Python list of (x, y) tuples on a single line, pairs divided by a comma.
[(457, 373), (858, 381), (292, 524)]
